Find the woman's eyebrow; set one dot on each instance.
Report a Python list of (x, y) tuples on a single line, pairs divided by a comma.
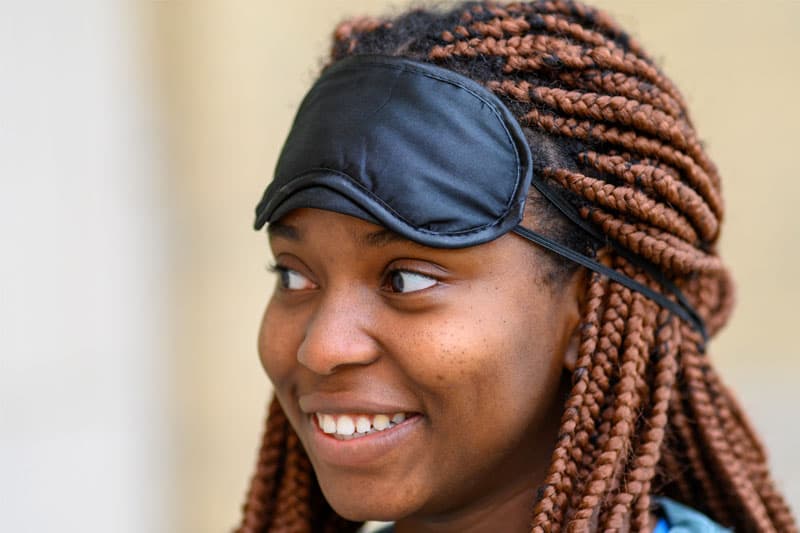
[(379, 238), (277, 229)]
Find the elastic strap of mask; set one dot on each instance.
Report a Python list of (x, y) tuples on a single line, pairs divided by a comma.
[(680, 308)]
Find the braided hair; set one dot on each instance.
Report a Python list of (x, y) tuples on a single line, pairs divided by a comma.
[(647, 412)]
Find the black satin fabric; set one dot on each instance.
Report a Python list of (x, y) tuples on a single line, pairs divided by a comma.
[(419, 149)]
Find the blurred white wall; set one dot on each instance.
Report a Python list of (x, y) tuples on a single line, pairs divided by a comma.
[(84, 367)]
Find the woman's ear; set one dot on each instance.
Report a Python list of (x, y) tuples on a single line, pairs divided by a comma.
[(571, 353), (575, 307), (578, 290)]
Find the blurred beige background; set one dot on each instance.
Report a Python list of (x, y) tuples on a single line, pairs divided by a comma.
[(233, 73), (136, 138)]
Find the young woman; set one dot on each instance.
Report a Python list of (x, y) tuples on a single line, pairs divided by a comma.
[(494, 230)]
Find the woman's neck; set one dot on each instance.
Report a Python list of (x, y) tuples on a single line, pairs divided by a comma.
[(509, 512)]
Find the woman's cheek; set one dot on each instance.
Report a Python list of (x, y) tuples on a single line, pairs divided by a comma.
[(275, 345)]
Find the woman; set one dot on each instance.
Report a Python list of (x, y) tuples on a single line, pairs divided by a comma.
[(432, 366)]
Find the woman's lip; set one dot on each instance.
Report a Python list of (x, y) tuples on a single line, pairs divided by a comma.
[(361, 452), (349, 403)]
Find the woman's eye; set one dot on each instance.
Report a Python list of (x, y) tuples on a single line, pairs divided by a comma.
[(404, 281), (292, 280)]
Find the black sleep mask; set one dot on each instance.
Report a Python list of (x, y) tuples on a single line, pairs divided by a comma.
[(427, 153)]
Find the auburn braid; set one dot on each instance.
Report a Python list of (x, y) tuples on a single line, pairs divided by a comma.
[(647, 413), (261, 498)]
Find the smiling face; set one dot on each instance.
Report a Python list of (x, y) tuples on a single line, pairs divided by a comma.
[(423, 383)]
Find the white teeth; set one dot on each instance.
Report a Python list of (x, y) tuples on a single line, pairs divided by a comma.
[(328, 424), (354, 426), (345, 425), (380, 422), (363, 424)]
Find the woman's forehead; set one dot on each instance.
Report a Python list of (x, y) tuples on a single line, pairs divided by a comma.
[(299, 224)]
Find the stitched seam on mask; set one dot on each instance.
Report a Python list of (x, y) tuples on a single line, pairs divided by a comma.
[(378, 200)]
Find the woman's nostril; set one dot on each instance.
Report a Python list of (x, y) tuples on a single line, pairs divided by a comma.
[(334, 340)]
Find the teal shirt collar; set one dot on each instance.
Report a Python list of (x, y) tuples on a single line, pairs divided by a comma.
[(683, 519)]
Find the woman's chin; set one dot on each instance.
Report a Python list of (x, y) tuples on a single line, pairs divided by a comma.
[(358, 506), (366, 511)]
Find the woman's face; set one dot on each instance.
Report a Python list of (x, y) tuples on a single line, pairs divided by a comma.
[(459, 352)]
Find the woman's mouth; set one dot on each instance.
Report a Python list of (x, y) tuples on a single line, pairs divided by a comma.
[(355, 426), (364, 440), (361, 431)]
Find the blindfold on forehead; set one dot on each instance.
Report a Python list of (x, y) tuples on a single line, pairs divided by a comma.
[(419, 149), (427, 153)]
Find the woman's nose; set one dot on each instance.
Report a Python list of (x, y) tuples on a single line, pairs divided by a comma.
[(338, 334)]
